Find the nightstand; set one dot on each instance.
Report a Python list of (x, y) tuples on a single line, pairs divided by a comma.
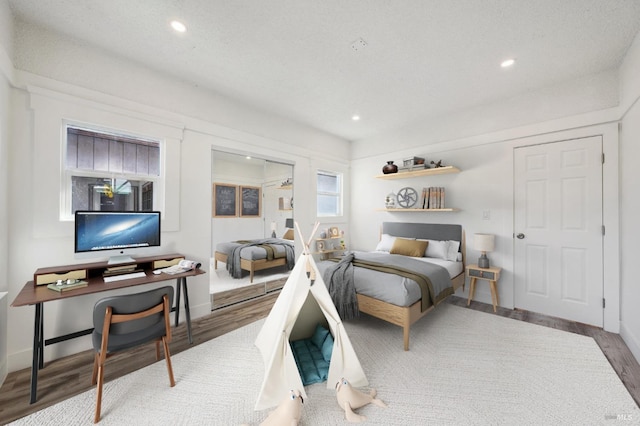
[(491, 274)]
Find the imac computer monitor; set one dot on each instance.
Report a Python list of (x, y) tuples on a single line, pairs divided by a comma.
[(120, 233)]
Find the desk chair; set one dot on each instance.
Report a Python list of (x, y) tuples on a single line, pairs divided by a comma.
[(127, 321)]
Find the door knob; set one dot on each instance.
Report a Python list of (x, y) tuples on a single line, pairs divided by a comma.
[(520, 236)]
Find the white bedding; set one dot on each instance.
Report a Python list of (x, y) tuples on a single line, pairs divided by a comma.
[(454, 268), (393, 288)]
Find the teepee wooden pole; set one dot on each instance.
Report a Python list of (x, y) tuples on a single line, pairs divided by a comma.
[(311, 273), (313, 232)]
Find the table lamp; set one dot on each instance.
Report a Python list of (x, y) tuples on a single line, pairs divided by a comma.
[(289, 234), (273, 229), (484, 243)]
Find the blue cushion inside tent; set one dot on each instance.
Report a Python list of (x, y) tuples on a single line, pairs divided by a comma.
[(313, 356)]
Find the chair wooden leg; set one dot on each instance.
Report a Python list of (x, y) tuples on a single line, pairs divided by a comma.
[(99, 393), (167, 357), (157, 350), (94, 374)]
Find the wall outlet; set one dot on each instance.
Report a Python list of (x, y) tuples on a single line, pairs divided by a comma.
[(486, 214)]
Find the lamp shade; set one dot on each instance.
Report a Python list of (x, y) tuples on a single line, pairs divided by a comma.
[(273, 226), (484, 242), (288, 223)]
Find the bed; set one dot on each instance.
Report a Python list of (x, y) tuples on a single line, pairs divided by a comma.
[(254, 255), (399, 299)]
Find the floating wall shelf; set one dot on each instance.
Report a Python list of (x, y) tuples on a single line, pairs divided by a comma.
[(421, 172), (419, 210)]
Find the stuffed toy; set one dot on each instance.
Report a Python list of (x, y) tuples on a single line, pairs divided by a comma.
[(350, 399), (288, 413)]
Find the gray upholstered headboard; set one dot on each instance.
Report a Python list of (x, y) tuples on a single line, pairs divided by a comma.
[(431, 231)]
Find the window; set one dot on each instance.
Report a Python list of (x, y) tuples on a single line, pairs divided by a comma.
[(329, 189), (110, 172)]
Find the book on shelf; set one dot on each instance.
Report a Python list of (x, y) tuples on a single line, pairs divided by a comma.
[(66, 287), (432, 198)]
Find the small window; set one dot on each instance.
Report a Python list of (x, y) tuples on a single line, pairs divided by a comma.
[(329, 189), (110, 172)]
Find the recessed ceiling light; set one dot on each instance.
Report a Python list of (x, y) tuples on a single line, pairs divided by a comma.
[(355, 117), (507, 63), (248, 157), (178, 26)]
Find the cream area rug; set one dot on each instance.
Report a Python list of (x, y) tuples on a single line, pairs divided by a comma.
[(464, 367)]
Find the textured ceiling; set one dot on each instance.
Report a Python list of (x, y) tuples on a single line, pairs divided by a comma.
[(294, 57)]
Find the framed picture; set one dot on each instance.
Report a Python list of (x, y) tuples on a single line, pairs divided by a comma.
[(225, 200), (249, 201), (320, 245), (334, 231)]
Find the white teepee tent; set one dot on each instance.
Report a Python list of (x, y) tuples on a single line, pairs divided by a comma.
[(281, 373)]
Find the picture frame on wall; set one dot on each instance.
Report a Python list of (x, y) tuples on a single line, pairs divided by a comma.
[(225, 200), (250, 205)]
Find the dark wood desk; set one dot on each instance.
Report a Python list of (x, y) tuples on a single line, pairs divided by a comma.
[(37, 295)]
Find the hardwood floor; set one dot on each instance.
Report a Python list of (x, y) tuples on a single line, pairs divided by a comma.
[(65, 377)]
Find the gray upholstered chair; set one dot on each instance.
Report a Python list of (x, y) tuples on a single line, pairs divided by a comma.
[(127, 321)]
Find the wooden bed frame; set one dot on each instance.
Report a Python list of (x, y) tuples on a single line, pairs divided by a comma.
[(405, 316), (251, 265), (255, 265)]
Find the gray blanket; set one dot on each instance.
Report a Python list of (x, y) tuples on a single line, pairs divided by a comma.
[(233, 260), (433, 280), (339, 281)]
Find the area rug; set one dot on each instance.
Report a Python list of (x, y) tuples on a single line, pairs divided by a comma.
[(464, 367)]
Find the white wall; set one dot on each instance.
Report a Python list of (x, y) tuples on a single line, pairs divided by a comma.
[(485, 184), (486, 180), (306, 160), (65, 60), (57, 79), (525, 111), (6, 73), (479, 141), (630, 199)]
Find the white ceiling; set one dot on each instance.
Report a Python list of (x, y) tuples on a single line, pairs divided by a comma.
[(423, 58)]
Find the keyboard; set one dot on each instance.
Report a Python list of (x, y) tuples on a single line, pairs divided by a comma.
[(124, 277)]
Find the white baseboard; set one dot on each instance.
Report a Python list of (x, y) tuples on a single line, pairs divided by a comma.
[(3, 372), (19, 360), (632, 342), (196, 311)]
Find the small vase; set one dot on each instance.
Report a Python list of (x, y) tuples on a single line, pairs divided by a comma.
[(389, 168)]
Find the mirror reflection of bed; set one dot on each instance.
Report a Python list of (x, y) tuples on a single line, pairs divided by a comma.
[(258, 276), (257, 267), (226, 290)]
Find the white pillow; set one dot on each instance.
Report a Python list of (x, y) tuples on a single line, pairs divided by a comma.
[(437, 249), (386, 242), (452, 252)]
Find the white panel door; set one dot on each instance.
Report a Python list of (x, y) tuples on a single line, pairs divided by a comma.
[(558, 229)]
